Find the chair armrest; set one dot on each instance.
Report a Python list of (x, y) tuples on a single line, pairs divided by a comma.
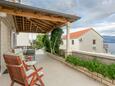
[(31, 63), (35, 72)]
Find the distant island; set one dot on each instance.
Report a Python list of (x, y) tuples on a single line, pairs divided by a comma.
[(109, 39)]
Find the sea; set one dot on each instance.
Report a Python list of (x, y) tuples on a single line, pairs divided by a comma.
[(111, 48)]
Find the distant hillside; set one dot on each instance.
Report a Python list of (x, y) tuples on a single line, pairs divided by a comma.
[(109, 39)]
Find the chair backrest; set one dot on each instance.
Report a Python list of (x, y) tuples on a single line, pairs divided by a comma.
[(15, 68)]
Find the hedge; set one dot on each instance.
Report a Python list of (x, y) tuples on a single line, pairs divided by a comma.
[(93, 66)]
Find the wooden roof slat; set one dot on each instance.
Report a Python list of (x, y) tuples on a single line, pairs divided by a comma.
[(30, 26), (23, 23), (40, 25), (35, 25), (44, 23)]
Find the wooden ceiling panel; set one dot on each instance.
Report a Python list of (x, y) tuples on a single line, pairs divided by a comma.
[(34, 25)]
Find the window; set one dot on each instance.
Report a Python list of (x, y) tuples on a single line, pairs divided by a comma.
[(80, 40), (94, 41), (72, 42)]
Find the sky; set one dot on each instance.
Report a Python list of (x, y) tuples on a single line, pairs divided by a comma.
[(97, 14)]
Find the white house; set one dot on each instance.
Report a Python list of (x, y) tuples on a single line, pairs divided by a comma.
[(85, 40)]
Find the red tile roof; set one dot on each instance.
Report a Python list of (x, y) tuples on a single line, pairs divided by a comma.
[(76, 34)]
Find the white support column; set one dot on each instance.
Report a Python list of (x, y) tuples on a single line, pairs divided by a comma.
[(68, 44)]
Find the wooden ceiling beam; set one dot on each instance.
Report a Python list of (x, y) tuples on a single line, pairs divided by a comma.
[(40, 24), (45, 24), (30, 26), (35, 25), (23, 23), (33, 31), (30, 31), (15, 23), (14, 11)]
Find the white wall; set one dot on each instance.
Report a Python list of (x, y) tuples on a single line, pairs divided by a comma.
[(23, 39), (5, 42), (75, 46), (6, 28), (87, 42), (63, 46)]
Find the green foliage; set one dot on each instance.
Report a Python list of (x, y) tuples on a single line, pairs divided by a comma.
[(52, 43), (46, 42), (38, 42), (56, 40), (111, 71), (94, 66)]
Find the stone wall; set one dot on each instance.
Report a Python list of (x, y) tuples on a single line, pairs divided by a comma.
[(105, 58)]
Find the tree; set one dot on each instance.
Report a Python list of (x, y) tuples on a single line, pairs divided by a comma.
[(46, 42), (38, 42), (56, 39), (52, 43)]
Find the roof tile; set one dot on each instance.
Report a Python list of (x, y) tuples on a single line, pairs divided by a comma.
[(76, 34)]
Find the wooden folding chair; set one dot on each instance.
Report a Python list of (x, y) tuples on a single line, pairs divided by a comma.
[(18, 73)]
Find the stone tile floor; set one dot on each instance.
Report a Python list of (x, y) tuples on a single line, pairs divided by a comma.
[(56, 74)]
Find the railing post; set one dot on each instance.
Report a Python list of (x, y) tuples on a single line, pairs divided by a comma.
[(68, 44)]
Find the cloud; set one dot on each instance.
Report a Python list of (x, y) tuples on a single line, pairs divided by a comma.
[(95, 10), (99, 14), (107, 29), (89, 10), (102, 28), (56, 5)]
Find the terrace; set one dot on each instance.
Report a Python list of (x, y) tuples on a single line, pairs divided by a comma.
[(56, 74)]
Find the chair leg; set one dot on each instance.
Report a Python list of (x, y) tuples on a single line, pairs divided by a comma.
[(12, 83), (41, 82)]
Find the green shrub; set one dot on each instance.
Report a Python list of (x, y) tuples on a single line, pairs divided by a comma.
[(94, 66), (111, 71), (73, 60)]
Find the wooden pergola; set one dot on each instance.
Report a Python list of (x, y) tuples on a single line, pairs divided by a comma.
[(35, 20)]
